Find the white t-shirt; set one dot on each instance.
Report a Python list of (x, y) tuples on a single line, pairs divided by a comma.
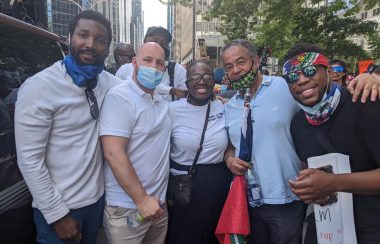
[(187, 126), (131, 113), (163, 88)]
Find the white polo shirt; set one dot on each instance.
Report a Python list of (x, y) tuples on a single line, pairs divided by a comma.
[(131, 113), (163, 88)]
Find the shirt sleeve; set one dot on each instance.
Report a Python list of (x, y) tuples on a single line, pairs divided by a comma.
[(33, 120), (116, 117), (180, 77), (125, 71), (163, 89)]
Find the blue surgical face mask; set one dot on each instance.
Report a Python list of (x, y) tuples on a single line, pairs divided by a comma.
[(149, 77)]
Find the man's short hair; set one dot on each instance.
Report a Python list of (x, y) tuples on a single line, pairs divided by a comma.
[(158, 31), (303, 47), (92, 15), (121, 45), (241, 42)]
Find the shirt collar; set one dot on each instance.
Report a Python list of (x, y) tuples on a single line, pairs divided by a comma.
[(142, 93)]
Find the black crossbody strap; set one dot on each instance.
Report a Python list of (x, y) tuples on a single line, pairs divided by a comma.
[(171, 67), (322, 138), (192, 168)]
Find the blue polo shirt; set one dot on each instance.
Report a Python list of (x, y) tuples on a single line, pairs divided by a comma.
[(273, 109)]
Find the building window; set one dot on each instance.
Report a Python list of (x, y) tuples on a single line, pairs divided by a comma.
[(376, 11), (364, 15)]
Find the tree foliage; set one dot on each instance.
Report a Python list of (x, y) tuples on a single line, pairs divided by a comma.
[(323, 26), (280, 24), (237, 17)]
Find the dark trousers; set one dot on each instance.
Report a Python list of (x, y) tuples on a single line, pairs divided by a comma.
[(277, 223), (89, 220)]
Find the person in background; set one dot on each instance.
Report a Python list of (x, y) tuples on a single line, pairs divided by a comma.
[(218, 75), (339, 72), (375, 72), (123, 54), (56, 129), (196, 223), (173, 83), (351, 128), (136, 142)]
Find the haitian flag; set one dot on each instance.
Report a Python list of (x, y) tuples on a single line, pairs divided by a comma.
[(233, 225)]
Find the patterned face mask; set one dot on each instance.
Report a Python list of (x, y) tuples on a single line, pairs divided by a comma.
[(245, 81)]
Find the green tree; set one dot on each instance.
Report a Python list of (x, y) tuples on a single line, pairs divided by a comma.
[(325, 27), (281, 23), (238, 17), (374, 43)]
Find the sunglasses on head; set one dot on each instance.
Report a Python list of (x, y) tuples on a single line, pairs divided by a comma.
[(307, 71), (338, 69)]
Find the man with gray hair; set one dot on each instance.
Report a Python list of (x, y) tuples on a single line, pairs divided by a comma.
[(273, 153)]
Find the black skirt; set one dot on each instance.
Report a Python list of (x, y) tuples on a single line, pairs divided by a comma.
[(196, 223)]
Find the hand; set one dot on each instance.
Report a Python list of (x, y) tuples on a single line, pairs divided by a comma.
[(150, 208), (313, 185), (222, 99), (67, 229), (366, 84), (237, 166), (178, 93)]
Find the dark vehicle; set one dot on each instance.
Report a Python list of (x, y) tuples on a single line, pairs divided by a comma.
[(24, 51)]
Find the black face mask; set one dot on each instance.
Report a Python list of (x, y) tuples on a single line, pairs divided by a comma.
[(198, 102)]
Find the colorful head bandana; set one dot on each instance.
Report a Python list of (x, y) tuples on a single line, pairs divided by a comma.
[(303, 60)]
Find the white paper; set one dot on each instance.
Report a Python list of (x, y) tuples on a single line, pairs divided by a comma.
[(335, 222)]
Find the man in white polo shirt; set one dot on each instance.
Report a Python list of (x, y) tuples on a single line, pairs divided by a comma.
[(135, 133)]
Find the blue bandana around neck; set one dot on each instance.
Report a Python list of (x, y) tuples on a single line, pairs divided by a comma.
[(81, 74)]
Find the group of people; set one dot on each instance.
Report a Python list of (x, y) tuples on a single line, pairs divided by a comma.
[(96, 149)]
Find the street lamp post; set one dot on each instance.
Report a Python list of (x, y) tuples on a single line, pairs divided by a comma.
[(194, 22)]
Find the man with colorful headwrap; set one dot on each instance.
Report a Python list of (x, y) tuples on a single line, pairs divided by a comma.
[(351, 129), (273, 109)]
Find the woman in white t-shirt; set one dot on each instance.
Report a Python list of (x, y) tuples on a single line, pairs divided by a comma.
[(196, 223)]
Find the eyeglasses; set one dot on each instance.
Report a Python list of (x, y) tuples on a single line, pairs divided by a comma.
[(196, 78), (91, 99), (338, 69), (307, 71)]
